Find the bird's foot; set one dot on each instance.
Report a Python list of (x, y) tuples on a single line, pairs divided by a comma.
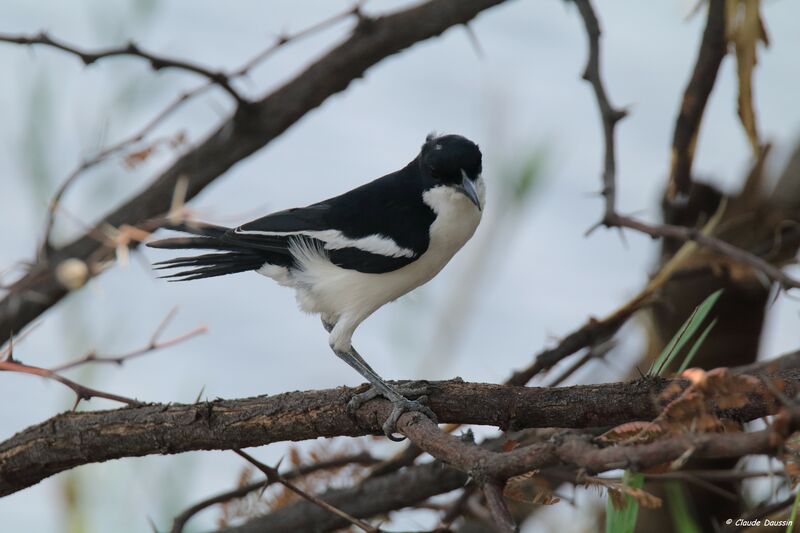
[(400, 404), (404, 405)]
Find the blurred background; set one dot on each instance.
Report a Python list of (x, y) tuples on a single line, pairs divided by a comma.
[(528, 276)]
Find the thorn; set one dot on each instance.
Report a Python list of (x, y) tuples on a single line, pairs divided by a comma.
[(473, 39), (152, 525), (774, 299), (622, 238), (10, 348), (199, 394), (618, 114), (592, 228), (594, 194)]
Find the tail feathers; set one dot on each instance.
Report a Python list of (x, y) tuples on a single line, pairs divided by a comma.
[(210, 265), (200, 243), (199, 228), (232, 259)]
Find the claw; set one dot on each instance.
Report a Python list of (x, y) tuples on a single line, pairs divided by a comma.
[(400, 405), (361, 398)]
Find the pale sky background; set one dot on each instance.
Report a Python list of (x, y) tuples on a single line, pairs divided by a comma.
[(522, 95)]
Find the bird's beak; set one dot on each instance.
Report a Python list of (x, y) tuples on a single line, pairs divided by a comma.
[(468, 188)]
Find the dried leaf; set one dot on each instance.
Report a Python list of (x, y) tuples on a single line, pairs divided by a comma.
[(696, 375), (294, 456), (679, 463), (745, 29), (639, 431), (644, 498), (618, 491), (530, 488), (137, 157), (617, 498)]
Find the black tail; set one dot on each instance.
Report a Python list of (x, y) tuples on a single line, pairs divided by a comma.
[(233, 258)]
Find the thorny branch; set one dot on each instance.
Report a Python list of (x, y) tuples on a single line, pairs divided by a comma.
[(157, 62), (37, 452), (608, 113), (275, 477), (610, 117), (153, 345), (82, 392), (375, 496), (180, 521)]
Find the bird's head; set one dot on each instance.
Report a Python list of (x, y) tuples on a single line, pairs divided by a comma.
[(454, 161)]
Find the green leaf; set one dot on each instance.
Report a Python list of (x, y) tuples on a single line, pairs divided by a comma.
[(696, 346), (684, 335), (793, 516), (624, 520), (678, 508)]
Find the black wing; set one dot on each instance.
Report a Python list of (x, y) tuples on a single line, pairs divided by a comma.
[(378, 227)]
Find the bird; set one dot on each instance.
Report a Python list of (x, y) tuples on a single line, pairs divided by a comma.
[(347, 256)]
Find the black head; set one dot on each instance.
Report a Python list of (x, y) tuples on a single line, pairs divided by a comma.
[(452, 160)]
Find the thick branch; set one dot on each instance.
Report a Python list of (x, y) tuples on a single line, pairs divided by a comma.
[(72, 439), (577, 450), (485, 466), (712, 51), (250, 129)]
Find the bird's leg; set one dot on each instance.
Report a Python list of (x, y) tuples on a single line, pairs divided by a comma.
[(400, 404), (341, 332), (329, 327)]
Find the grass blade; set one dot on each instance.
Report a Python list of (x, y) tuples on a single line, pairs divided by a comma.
[(679, 508), (684, 335), (696, 346), (624, 520), (793, 516)]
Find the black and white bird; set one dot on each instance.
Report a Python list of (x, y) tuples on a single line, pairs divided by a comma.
[(349, 255)]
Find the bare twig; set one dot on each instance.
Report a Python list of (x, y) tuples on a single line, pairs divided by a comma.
[(608, 113), (274, 477), (180, 521), (378, 496), (81, 392), (153, 344), (686, 234), (157, 62), (493, 492)]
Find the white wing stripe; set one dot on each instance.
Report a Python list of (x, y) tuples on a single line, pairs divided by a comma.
[(334, 240)]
